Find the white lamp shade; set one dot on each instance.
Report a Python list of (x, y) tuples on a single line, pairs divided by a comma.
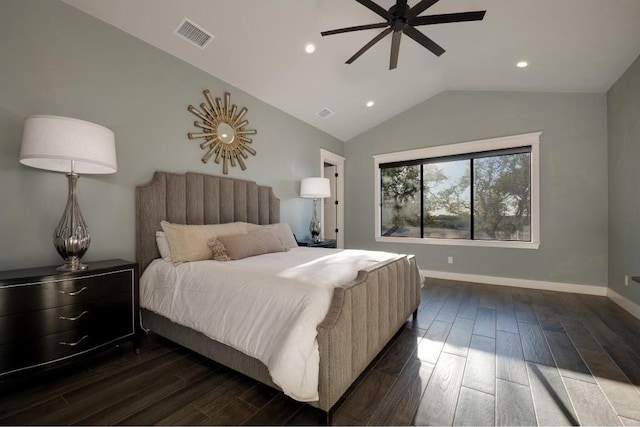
[(52, 142), (315, 188)]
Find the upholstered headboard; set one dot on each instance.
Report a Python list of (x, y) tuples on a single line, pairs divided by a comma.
[(194, 198)]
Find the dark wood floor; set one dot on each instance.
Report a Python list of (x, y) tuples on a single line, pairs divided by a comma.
[(477, 355)]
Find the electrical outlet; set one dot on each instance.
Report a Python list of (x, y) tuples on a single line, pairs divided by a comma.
[(450, 260), (626, 280)]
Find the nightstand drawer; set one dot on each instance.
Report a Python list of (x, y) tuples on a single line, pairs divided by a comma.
[(22, 327), (25, 297), (51, 348)]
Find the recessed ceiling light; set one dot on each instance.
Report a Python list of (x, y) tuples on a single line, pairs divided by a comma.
[(310, 48), (522, 64), (370, 104)]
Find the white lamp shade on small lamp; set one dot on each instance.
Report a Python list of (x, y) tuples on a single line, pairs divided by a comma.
[(53, 142), (63, 144), (315, 188)]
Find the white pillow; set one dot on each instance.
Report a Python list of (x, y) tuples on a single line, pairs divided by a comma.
[(189, 242), (163, 245), (282, 230)]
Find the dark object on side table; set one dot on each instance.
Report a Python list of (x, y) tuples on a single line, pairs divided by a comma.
[(49, 316), (320, 244)]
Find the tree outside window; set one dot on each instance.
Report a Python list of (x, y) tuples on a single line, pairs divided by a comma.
[(400, 196)]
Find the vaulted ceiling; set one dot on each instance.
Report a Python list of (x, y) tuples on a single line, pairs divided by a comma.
[(259, 47)]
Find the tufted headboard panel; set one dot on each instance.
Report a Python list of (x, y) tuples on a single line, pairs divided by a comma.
[(194, 198)]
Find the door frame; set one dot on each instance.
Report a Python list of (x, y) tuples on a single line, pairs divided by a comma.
[(333, 159)]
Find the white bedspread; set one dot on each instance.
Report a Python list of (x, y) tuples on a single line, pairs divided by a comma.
[(267, 306)]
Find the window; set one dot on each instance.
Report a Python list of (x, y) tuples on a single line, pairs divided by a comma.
[(481, 193)]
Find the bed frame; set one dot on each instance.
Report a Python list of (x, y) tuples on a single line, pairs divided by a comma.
[(363, 316)]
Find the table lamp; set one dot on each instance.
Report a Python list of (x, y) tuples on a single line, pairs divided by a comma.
[(63, 144), (315, 188)]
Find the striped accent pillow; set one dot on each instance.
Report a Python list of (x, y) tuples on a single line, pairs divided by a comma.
[(247, 245)]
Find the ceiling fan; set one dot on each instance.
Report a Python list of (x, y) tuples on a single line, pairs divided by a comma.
[(400, 19)]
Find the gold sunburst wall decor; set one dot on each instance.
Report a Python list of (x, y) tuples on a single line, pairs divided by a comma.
[(225, 133)]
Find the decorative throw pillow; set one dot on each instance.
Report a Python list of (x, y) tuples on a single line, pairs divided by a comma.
[(218, 251), (189, 242), (282, 230), (257, 243), (163, 245)]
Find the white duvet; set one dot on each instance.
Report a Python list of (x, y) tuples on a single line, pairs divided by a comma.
[(267, 306)]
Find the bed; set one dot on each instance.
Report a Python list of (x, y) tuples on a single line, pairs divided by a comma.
[(363, 313)]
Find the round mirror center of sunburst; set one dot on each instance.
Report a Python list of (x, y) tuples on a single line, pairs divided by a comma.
[(225, 133)]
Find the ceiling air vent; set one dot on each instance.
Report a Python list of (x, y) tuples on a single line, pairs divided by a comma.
[(194, 33), (325, 113)]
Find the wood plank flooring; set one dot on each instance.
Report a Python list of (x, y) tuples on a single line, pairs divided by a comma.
[(476, 355)]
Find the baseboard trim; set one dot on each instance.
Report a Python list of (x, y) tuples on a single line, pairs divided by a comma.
[(631, 307), (521, 283)]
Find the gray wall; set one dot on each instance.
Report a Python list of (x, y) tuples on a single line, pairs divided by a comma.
[(573, 158), (58, 60), (623, 111)]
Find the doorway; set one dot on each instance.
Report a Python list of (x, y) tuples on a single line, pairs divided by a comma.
[(332, 208)]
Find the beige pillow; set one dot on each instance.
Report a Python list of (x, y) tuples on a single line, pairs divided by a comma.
[(218, 251), (256, 243), (189, 242), (282, 230)]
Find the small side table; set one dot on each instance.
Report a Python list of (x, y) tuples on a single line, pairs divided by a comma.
[(331, 243), (49, 316)]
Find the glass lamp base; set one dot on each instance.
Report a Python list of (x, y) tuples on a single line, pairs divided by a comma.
[(70, 266), (71, 238), (314, 225)]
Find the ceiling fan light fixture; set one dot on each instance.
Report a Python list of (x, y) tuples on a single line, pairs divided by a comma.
[(522, 64), (370, 103), (310, 48)]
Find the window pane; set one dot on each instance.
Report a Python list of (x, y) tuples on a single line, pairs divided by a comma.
[(400, 209), (447, 197), (502, 197)]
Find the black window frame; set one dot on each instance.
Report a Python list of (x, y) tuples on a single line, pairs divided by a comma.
[(471, 156)]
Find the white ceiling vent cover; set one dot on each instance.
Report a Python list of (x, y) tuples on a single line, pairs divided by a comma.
[(325, 113), (194, 33)]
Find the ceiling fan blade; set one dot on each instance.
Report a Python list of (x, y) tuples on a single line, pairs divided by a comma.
[(448, 17), (420, 7), (395, 49), (425, 41), (366, 47), (376, 8), (356, 28)]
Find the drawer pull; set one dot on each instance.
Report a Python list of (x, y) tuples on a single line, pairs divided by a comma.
[(73, 319), (73, 344), (84, 288)]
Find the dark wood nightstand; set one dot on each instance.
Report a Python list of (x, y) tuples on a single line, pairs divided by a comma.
[(48, 316), (321, 244)]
